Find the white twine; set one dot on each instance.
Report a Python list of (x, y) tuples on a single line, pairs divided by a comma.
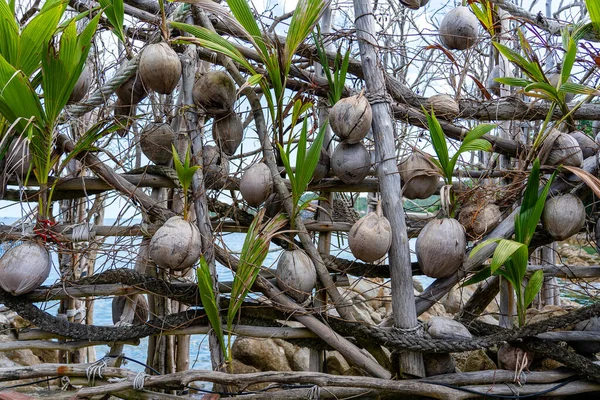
[(83, 232), (72, 312), (95, 369), (314, 393), (139, 380), (65, 383)]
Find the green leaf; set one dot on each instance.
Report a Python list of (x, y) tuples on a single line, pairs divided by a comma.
[(35, 37), (241, 11), (209, 301), (577, 88), (519, 82), (439, 143), (505, 249), (569, 58), (533, 287), (478, 277), (305, 17), (593, 7), (114, 11), (482, 245), (9, 34)]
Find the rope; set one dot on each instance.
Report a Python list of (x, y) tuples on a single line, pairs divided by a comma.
[(95, 369), (139, 380), (83, 232)]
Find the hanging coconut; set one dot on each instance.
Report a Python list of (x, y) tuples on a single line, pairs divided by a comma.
[(492, 85), (82, 86), (156, 140), (420, 177), (140, 305), (370, 237), (589, 147), (565, 150), (414, 4), (444, 106), (513, 358), (216, 167), (18, 158), (24, 268), (350, 118), (160, 68), (215, 92), (273, 205), (176, 245), (323, 166), (351, 162), (563, 216), (132, 91), (256, 184), (296, 274), (459, 29), (440, 247), (479, 220), (124, 115), (228, 132)]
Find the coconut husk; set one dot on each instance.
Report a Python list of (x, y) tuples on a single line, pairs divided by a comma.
[(256, 184), (215, 92), (18, 158), (176, 245), (370, 237), (228, 132), (441, 247), (459, 29), (444, 106), (589, 147), (563, 216), (350, 118), (296, 274), (160, 68), (420, 177), (479, 219), (351, 162), (216, 167), (513, 358), (323, 166), (132, 91), (124, 114), (492, 85), (23, 268), (156, 140), (560, 148), (82, 86)]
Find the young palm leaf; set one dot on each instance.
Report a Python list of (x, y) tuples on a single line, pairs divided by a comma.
[(185, 173), (114, 11), (209, 301)]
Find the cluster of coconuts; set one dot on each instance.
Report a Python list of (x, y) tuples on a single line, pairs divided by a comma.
[(24, 267), (350, 119), (370, 237), (459, 29)]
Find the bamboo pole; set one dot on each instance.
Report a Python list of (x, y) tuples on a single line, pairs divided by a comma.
[(403, 303)]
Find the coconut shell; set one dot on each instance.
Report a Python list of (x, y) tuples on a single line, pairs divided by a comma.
[(459, 29), (350, 118), (563, 216), (511, 357), (420, 177), (228, 132), (351, 162), (478, 220), (256, 184), (565, 150), (215, 92), (589, 147), (156, 140), (132, 91), (444, 106), (296, 274), (216, 167), (24, 268), (124, 114), (323, 166), (176, 245), (370, 237), (141, 308), (440, 247), (414, 4), (492, 85), (82, 86), (18, 158), (160, 68)]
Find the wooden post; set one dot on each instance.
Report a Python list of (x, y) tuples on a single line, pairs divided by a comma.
[(403, 302)]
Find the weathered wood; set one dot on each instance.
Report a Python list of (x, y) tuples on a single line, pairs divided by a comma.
[(403, 308)]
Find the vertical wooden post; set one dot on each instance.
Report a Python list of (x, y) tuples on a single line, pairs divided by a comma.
[(403, 301)]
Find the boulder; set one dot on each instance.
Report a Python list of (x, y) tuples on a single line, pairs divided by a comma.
[(446, 328), (297, 357), (438, 364), (589, 325), (263, 354), (336, 364), (477, 360)]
